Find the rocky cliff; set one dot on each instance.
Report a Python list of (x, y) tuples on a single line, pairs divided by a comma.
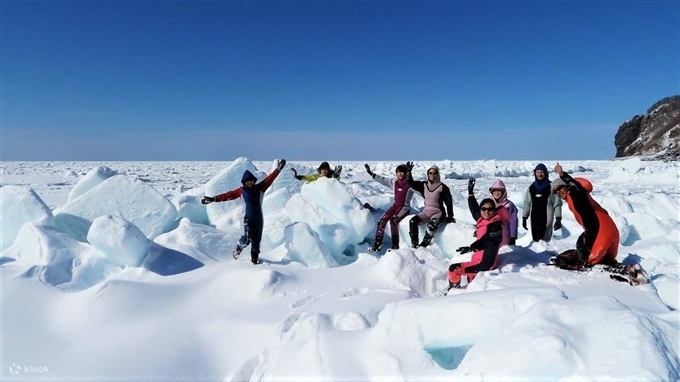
[(656, 134)]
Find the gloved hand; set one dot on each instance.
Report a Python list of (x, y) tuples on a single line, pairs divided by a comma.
[(558, 224), (524, 224), (294, 172), (368, 169), (512, 241), (409, 167), (471, 186), (450, 219), (281, 164), (463, 250), (337, 170), (207, 199)]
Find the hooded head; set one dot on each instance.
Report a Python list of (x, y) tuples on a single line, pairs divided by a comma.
[(247, 175), (499, 185), (436, 178), (540, 184), (557, 183), (325, 166), (541, 167)]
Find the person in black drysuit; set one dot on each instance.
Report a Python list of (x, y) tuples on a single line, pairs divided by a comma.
[(541, 205)]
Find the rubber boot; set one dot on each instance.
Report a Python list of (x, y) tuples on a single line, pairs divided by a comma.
[(395, 242), (413, 230), (376, 245), (414, 239), (427, 240), (237, 251)]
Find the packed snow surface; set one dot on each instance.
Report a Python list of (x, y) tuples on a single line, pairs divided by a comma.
[(116, 271)]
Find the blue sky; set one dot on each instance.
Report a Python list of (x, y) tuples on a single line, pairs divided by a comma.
[(123, 80)]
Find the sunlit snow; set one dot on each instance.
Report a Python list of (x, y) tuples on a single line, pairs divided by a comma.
[(116, 271)]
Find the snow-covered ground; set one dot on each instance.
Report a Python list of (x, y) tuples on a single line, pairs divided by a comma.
[(115, 271)]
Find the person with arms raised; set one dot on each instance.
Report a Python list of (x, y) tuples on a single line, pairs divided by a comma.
[(437, 195), (399, 209), (253, 219), (323, 171)]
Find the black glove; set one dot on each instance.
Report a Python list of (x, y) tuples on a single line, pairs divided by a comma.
[(409, 167), (463, 250), (512, 241), (558, 224), (207, 199), (450, 219), (281, 164), (524, 224), (338, 170), (471, 186), (368, 170)]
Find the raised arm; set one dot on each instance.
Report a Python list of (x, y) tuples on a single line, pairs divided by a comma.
[(472, 201), (474, 207), (264, 184), (416, 186), (571, 183), (229, 195)]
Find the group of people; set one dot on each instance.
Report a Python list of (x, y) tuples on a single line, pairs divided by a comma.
[(496, 217)]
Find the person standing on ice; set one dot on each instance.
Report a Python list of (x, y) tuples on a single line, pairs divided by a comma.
[(398, 211), (490, 234), (541, 205), (253, 219), (324, 171), (507, 211), (436, 195)]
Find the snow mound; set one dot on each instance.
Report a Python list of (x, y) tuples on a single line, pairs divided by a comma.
[(20, 205), (338, 200), (50, 252), (90, 181), (119, 239), (304, 246), (335, 235), (123, 196)]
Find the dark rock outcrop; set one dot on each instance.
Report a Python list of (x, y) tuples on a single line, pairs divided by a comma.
[(655, 135)]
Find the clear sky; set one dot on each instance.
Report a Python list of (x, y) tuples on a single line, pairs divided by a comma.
[(459, 80)]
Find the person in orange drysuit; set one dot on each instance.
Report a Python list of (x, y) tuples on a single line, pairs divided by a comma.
[(599, 242)]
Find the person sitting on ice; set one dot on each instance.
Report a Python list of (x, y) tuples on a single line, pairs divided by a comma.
[(399, 209), (500, 197), (323, 171), (253, 219), (436, 195), (599, 242), (490, 233)]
